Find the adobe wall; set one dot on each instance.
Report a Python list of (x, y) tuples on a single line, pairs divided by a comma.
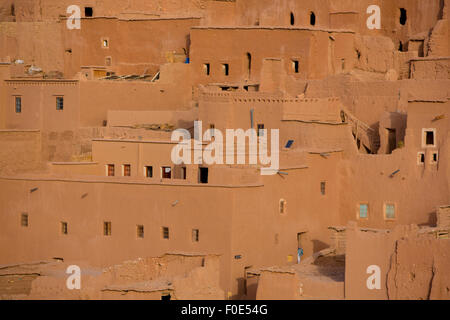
[(20, 151), (413, 265), (102, 199), (152, 40)]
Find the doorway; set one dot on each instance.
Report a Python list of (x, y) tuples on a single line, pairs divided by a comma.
[(392, 140)]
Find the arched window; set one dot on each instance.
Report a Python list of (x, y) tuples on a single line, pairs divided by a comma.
[(292, 19), (312, 19)]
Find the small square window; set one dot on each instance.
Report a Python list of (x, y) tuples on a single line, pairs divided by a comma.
[(64, 229), (195, 235), (18, 104), (88, 11), (389, 211), (59, 103), (206, 69), (260, 132), (110, 170), (107, 228), (126, 170), (140, 231), (149, 171), (363, 210), (24, 220), (166, 172), (165, 232)]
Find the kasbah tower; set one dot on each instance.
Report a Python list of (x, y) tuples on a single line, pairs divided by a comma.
[(350, 99)]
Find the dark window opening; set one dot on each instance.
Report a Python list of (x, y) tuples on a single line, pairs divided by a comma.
[(430, 138), (289, 144), (203, 175), (24, 220), (226, 69), (149, 171), (312, 19), (13, 10), (435, 157), (110, 170), (59, 103), (107, 228), (292, 19), (64, 228), (166, 172), (165, 297), (260, 132), (165, 232), (421, 157), (206, 67), (126, 170), (295, 66), (195, 235), (322, 188), (18, 104), (400, 46), (88, 11), (403, 16), (140, 231), (249, 64)]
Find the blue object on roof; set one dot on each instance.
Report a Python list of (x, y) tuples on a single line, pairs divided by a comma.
[(289, 144), (187, 60)]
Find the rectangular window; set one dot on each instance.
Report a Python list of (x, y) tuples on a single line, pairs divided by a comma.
[(107, 228), (24, 220), (64, 228), (322, 187), (363, 210), (428, 138), (421, 158), (226, 69), (260, 132), (434, 157), (88, 12), (126, 170), (203, 175), (110, 170), (212, 127), (166, 172), (389, 211), (165, 232), (59, 103), (149, 171), (295, 66), (206, 68), (183, 173), (18, 104), (140, 231), (195, 235)]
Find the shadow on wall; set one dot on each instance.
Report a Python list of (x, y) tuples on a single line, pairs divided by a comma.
[(319, 245), (432, 220)]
